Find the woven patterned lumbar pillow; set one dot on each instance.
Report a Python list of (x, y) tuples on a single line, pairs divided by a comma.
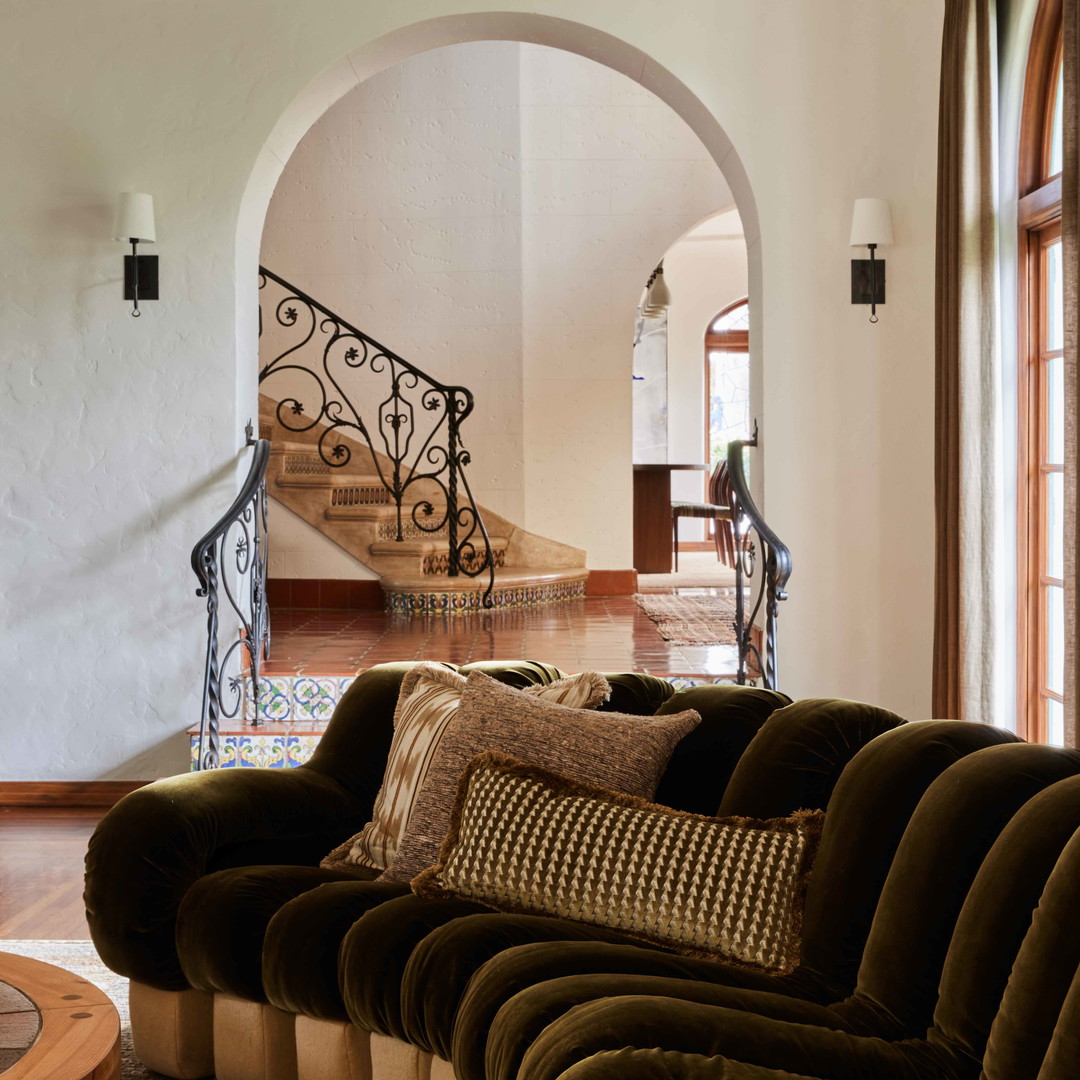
[(527, 840), (627, 753), (427, 703)]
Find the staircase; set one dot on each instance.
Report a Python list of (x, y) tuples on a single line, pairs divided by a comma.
[(404, 510)]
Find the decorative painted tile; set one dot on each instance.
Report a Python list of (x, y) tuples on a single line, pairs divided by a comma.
[(300, 748), (314, 699), (469, 600), (275, 698)]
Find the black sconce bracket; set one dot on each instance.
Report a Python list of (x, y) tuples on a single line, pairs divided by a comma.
[(867, 286), (148, 277)]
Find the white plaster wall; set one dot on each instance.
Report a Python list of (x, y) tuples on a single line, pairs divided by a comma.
[(101, 629), (705, 274), (489, 211), (299, 550), (400, 210), (610, 177)]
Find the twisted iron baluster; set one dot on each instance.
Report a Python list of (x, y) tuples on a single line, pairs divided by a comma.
[(452, 484), (208, 727)]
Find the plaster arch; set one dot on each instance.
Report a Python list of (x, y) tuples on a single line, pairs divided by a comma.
[(383, 52)]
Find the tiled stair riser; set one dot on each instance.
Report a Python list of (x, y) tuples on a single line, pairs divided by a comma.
[(468, 601), (303, 699)]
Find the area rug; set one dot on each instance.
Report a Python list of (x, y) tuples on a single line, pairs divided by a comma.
[(81, 958), (697, 570), (691, 620)]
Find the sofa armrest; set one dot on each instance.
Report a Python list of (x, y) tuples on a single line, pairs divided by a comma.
[(156, 842)]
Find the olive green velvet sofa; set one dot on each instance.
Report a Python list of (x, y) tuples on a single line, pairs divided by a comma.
[(248, 959), (1006, 1005)]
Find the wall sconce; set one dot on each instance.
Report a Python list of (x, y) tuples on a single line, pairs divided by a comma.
[(871, 225), (135, 225), (657, 295)]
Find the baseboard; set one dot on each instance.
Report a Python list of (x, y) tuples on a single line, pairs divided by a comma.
[(697, 545), (326, 594), (66, 793), (611, 583)]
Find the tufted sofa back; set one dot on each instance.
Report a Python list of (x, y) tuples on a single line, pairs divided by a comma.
[(959, 820), (870, 808), (355, 745), (1016, 948)]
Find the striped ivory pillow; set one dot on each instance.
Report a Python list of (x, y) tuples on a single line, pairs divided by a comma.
[(427, 703), (527, 840)]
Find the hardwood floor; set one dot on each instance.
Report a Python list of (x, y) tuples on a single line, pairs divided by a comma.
[(41, 871)]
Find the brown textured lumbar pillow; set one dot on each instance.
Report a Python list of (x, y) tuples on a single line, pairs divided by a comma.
[(526, 840), (627, 753), (427, 704)]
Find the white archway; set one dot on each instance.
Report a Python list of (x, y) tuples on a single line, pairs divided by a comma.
[(367, 60), (374, 57)]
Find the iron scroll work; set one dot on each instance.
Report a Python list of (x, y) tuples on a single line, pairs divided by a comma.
[(230, 561), (414, 435), (762, 569)]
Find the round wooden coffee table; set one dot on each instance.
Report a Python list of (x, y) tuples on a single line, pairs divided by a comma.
[(54, 1025)]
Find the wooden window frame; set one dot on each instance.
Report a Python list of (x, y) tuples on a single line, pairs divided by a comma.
[(727, 341), (1039, 221)]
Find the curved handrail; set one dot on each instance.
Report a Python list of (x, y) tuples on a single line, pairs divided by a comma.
[(256, 476), (247, 634), (776, 570), (389, 353)]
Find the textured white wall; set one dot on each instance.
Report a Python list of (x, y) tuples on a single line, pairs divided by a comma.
[(120, 436), (489, 211)]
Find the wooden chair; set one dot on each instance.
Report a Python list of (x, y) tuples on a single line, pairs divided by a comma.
[(718, 509)]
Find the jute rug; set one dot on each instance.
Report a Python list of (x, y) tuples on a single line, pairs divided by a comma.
[(82, 959), (691, 620)]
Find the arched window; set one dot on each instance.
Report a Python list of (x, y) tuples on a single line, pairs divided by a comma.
[(727, 380), (1041, 418)]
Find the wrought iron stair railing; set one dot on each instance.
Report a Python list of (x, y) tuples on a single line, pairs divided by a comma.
[(762, 569), (230, 561), (324, 372)]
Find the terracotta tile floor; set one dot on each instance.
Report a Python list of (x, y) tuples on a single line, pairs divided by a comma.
[(604, 634)]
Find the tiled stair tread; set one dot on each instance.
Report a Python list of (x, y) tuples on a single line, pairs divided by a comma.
[(505, 577)]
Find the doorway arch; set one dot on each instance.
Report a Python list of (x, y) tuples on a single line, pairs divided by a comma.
[(383, 52), (380, 53)]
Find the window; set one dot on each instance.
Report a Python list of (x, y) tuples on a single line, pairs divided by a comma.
[(727, 380), (1040, 490)]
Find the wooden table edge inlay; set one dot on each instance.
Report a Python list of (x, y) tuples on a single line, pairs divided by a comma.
[(79, 1038)]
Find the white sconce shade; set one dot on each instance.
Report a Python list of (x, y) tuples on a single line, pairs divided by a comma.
[(871, 223), (135, 218)]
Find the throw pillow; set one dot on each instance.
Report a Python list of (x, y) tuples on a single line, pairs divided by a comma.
[(616, 750), (427, 702), (526, 840)]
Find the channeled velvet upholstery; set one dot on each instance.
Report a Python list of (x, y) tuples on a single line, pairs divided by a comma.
[(632, 1064), (988, 851), (222, 921), (158, 841), (704, 761), (156, 856), (1005, 985), (793, 762), (870, 807)]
